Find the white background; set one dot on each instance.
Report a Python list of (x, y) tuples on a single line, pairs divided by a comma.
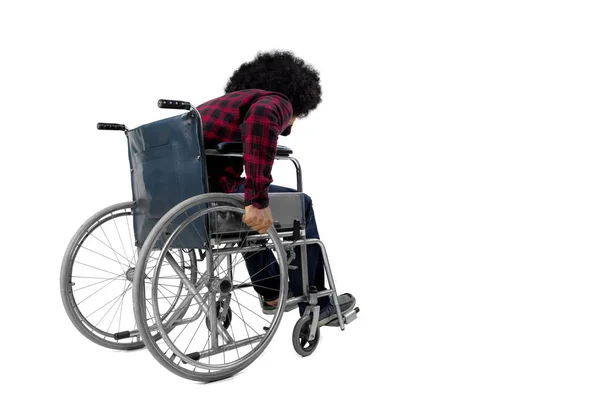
[(453, 165)]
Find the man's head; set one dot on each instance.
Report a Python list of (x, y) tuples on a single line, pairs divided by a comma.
[(280, 71)]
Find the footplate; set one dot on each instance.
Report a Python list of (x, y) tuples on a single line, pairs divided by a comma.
[(351, 316)]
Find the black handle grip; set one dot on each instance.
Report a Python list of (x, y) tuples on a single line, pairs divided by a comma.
[(110, 127), (174, 104), (296, 232), (122, 335)]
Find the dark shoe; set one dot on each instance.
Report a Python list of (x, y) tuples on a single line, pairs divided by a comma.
[(269, 309), (328, 314)]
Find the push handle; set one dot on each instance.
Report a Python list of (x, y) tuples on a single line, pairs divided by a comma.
[(174, 104), (110, 127)]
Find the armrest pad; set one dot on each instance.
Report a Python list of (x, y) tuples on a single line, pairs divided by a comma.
[(237, 147)]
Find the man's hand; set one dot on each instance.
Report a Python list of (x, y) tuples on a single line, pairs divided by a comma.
[(258, 219)]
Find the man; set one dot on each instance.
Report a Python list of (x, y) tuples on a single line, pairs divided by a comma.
[(263, 99)]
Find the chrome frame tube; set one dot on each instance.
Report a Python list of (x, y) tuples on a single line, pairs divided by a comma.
[(304, 266), (171, 260), (248, 249), (172, 320), (230, 346), (298, 173), (192, 318), (296, 163), (303, 242), (202, 150), (228, 297), (286, 243), (257, 236), (212, 311), (329, 279)]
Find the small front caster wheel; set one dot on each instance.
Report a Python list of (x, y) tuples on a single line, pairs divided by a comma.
[(302, 345)]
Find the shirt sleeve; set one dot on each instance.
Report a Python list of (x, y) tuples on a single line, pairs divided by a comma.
[(263, 122)]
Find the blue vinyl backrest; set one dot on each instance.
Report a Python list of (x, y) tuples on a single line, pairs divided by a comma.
[(166, 169)]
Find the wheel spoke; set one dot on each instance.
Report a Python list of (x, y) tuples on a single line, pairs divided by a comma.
[(81, 302), (112, 248), (121, 240), (117, 254), (107, 303), (117, 310), (267, 266), (104, 280), (99, 269), (133, 247)]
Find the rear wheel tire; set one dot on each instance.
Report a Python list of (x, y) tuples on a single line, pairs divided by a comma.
[(94, 282), (193, 348), (96, 278)]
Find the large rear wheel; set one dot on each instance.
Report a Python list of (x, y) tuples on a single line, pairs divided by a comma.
[(217, 327)]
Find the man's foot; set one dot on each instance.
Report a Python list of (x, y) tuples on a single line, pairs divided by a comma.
[(328, 314), (270, 308)]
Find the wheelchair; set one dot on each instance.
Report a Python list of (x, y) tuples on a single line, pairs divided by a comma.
[(163, 270)]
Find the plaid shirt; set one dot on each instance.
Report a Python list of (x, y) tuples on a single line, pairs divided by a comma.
[(255, 118)]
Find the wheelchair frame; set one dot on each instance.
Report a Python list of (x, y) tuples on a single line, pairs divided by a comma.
[(288, 241), (302, 241)]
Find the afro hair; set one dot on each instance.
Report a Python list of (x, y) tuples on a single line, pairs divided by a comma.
[(283, 72)]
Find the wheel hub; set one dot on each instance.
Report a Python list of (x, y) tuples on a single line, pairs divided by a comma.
[(222, 286), (129, 274)]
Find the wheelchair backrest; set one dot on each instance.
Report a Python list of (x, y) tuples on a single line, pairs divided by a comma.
[(167, 167)]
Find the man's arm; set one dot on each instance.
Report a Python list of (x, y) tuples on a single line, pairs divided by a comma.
[(264, 120)]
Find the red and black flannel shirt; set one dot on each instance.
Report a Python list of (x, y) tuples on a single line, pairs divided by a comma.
[(255, 118)]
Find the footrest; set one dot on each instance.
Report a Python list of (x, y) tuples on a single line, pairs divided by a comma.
[(351, 316)]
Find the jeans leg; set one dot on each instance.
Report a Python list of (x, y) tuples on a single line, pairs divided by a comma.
[(315, 263), (263, 270), (264, 273)]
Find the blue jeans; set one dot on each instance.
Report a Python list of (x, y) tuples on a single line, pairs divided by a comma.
[(266, 280)]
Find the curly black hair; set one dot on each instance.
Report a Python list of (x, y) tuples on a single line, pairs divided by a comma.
[(283, 72)]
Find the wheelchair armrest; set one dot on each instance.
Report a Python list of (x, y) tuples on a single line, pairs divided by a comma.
[(237, 147)]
